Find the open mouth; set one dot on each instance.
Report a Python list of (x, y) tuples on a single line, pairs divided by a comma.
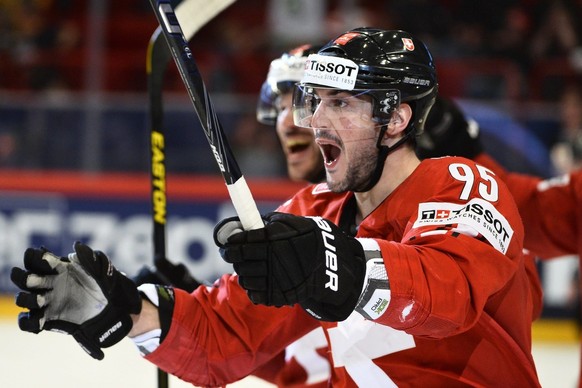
[(330, 153), (296, 146)]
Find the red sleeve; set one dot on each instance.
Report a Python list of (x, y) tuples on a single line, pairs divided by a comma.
[(455, 258), (217, 336), (440, 288), (550, 209), (551, 213)]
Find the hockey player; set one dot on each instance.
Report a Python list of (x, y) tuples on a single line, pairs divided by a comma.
[(305, 360), (422, 283), (551, 209), (304, 160)]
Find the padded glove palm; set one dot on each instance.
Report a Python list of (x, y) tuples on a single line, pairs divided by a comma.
[(83, 295), (303, 260)]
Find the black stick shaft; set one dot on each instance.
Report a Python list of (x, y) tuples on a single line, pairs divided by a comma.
[(240, 194)]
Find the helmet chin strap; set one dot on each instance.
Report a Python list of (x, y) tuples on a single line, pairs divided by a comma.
[(383, 152)]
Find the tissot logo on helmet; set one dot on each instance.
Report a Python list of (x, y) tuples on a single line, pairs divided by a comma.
[(330, 71)]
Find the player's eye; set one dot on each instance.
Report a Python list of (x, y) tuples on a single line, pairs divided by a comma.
[(339, 103)]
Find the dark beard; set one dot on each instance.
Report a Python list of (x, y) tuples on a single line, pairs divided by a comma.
[(317, 176), (359, 173)]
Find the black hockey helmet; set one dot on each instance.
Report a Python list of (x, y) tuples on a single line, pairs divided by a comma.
[(393, 66), (284, 72)]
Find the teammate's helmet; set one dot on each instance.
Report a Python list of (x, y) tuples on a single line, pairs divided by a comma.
[(284, 72), (448, 131), (392, 66)]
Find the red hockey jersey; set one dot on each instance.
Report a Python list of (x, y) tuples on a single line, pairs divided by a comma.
[(460, 309)]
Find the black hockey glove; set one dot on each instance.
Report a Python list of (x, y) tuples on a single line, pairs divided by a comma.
[(448, 132), (83, 295), (303, 260), (167, 273)]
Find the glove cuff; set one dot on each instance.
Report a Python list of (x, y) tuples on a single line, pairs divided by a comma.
[(103, 331), (375, 296)]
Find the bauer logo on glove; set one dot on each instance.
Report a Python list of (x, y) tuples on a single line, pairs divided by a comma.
[(296, 260)]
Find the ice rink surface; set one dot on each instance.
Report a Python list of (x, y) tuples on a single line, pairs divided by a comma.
[(52, 360)]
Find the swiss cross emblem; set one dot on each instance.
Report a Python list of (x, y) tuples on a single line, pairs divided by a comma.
[(408, 44), (443, 214)]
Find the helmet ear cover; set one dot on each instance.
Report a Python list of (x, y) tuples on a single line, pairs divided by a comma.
[(385, 102)]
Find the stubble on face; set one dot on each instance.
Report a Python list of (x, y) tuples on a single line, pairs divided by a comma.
[(360, 157)]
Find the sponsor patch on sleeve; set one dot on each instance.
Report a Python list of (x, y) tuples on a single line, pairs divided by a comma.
[(377, 304), (329, 71), (478, 214)]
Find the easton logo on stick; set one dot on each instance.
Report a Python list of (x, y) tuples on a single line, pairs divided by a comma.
[(159, 177)]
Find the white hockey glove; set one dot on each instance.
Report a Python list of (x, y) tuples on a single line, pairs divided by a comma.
[(83, 295)]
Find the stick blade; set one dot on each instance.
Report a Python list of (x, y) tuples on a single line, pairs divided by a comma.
[(193, 15)]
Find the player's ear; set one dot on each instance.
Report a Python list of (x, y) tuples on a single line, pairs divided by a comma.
[(399, 120)]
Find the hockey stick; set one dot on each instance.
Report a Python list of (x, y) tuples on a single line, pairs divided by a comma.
[(194, 15), (238, 189)]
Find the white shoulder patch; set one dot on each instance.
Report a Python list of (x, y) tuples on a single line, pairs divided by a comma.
[(478, 214)]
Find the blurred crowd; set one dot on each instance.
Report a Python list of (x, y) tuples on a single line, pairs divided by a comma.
[(517, 50), (37, 37), (43, 41)]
